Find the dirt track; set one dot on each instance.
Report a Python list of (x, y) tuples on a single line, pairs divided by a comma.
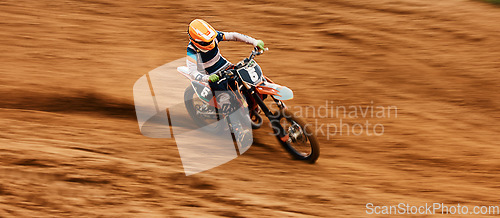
[(70, 145)]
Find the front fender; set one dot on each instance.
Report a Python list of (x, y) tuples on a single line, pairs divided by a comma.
[(282, 92)]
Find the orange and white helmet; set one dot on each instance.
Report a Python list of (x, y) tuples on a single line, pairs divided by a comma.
[(202, 34)]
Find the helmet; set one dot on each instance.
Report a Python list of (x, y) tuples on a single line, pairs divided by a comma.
[(202, 35)]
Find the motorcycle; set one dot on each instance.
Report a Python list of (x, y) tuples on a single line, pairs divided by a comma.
[(252, 88)]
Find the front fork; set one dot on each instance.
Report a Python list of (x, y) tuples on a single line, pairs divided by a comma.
[(273, 118)]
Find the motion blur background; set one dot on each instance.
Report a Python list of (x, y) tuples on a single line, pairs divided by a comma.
[(70, 144)]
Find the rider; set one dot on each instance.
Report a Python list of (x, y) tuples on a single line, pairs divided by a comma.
[(203, 50), (205, 61)]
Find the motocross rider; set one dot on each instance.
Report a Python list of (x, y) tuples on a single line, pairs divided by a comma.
[(204, 59)]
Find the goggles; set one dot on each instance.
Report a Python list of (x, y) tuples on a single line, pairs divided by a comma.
[(202, 43)]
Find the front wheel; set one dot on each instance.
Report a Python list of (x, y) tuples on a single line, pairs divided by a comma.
[(299, 139)]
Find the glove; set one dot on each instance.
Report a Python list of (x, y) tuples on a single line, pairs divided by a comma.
[(259, 44), (213, 78)]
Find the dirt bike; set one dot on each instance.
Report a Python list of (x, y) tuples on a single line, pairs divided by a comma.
[(253, 87)]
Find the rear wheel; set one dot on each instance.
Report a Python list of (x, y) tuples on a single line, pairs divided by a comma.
[(299, 139), (200, 111)]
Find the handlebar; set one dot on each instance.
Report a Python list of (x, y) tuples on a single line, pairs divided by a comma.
[(255, 52)]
